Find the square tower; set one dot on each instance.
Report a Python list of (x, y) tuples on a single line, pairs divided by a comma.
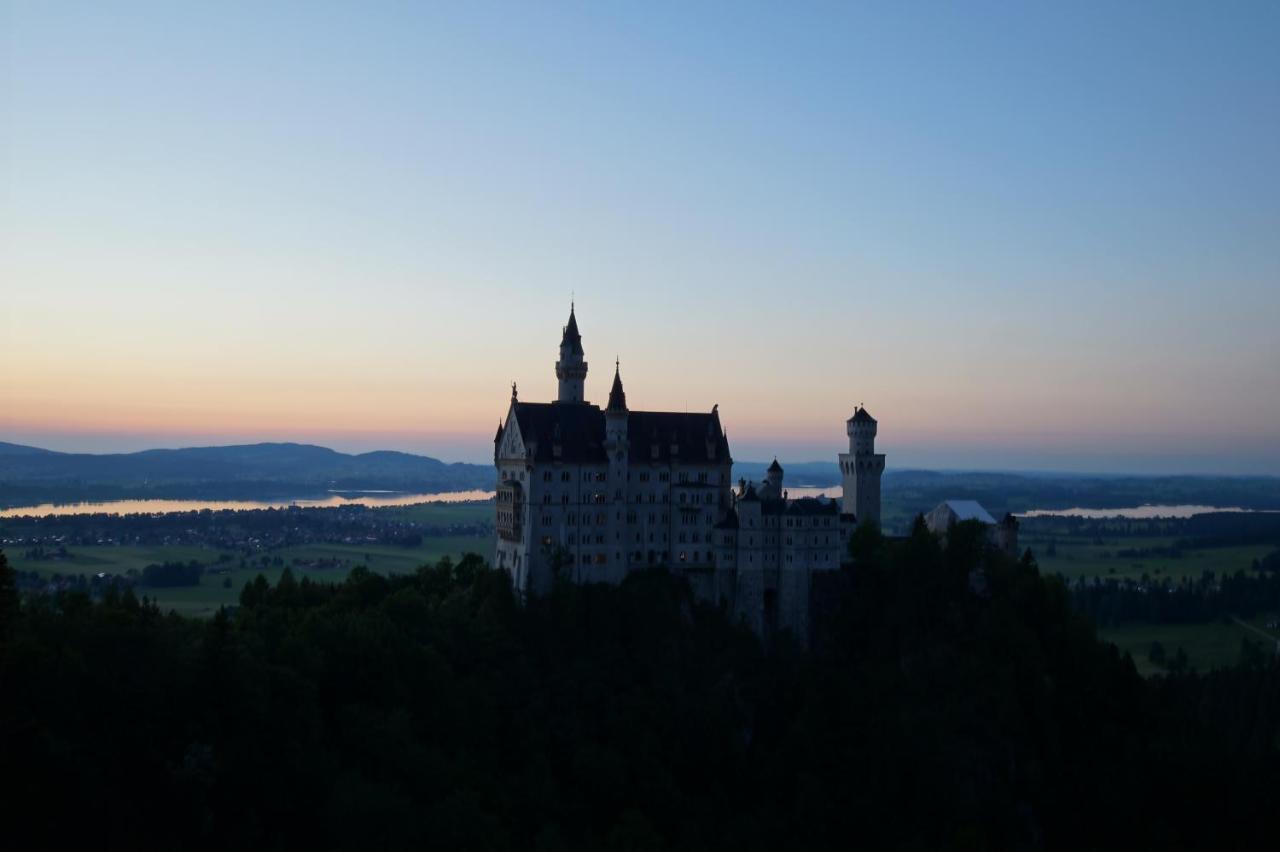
[(860, 469)]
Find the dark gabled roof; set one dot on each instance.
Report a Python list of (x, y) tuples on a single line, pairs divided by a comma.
[(571, 335), (579, 430), (750, 495), (861, 416), (696, 437), (775, 467), (617, 396)]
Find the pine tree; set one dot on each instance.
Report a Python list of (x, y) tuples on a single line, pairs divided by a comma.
[(9, 600)]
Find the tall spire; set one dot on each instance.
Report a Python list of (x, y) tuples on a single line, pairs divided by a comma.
[(617, 397), (571, 335), (571, 369)]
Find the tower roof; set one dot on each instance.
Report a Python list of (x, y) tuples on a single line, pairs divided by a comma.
[(775, 467), (617, 397), (571, 336), (861, 416)]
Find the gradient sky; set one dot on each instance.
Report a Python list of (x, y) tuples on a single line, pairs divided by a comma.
[(1025, 235)]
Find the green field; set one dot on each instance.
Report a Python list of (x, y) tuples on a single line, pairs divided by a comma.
[(1080, 558), (442, 514), (204, 599), (88, 560), (1208, 646)]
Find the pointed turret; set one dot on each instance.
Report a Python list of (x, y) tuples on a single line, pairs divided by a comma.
[(571, 337), (617, 397), (571, 369), (772, 484), (615, 415)]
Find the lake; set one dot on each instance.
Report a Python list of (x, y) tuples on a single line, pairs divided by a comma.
[(371, 499), (1135, 512)]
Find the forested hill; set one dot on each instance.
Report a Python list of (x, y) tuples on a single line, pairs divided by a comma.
[(235, 471), (432, 711)]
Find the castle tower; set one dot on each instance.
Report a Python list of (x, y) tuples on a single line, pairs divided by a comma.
[(773, 480), (615, 415), (571, 369), (860, 469), (616, 448)]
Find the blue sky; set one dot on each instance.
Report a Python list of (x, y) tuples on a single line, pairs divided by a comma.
[(1024, 236)]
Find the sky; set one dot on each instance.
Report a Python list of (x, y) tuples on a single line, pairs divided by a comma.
[(1025, 236)]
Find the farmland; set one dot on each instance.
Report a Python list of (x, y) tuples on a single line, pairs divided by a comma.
[(231, 557)]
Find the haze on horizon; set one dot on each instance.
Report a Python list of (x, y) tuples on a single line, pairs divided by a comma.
[(1025, 238)]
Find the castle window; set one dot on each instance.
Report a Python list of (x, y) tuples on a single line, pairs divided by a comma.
[(682, 556), (546, 476), (564, 476)]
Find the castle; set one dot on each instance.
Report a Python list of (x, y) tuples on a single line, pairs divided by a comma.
[(591, 494)]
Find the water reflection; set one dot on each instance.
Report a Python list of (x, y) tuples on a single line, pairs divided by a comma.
[(371, 499), (1135, 512)]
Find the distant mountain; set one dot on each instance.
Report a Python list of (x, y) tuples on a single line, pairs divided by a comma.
[(250, 470), (7, 449)]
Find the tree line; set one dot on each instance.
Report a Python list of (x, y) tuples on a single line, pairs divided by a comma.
[(435, 710)]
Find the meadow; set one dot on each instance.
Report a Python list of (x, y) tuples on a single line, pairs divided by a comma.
[(1207, 645), (227, 570), (1077, 558), (223, 588), (1210, 645)]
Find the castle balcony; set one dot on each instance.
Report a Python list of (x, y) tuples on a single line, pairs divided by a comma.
[(509, 520)]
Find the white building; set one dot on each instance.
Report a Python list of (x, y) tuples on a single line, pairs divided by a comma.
[(1002, 534), (590, 494)]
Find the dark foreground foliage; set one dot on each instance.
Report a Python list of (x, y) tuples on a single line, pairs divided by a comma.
[(431, 711)]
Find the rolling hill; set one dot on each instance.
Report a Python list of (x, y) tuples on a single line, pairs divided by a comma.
[(244, 471)]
